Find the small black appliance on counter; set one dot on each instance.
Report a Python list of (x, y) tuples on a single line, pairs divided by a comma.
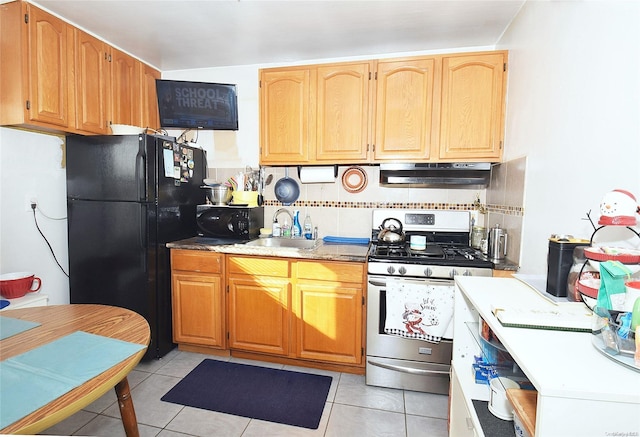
[(559, 262), (229, 222)]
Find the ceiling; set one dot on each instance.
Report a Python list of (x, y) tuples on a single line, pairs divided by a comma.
[(186, 34)]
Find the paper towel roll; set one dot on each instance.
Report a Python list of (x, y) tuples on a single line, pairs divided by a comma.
[(315, 175)]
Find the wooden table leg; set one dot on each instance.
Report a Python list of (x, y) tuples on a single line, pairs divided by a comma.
[(127, 412)]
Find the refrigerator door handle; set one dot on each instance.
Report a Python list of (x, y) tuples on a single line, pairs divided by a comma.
[(141, 176), (142, 235)]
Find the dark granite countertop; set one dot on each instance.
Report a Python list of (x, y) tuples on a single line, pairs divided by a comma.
[(323, 251), (505, 264)]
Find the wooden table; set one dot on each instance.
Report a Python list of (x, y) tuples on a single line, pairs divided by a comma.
[(60, 320)]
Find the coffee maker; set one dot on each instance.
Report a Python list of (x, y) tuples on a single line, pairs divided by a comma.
[(497, 244)]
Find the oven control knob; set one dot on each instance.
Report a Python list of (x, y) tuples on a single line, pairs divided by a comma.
[(467, 273), (402, 270), (428, 272), (391, 270), (452, 273)]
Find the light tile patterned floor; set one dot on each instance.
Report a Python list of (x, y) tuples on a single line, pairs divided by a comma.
[(352, 408)]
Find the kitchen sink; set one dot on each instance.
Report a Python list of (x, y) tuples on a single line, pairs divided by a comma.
[(290, 243)]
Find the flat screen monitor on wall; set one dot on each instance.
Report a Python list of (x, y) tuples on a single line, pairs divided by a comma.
[(197, 105)]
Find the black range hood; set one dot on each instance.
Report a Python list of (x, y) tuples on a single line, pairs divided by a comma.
[(436, 175)]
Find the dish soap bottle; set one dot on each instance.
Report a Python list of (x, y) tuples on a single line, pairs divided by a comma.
[(308, 227), (285, 230), (275, 228), (297, 230)]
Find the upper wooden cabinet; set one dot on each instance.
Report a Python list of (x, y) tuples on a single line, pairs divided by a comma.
[(92, 83), (125, 89), (57, 78), (149, 101), (436, 108), (343, 132), (316, 114), (404, 116), (36, 85), (285, 115), (472, 113)]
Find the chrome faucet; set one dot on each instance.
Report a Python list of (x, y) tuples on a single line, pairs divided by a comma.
[(278, 212), (275, 216)]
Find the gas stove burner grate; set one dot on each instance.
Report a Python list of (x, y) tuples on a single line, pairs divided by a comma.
[(391, 250), (431, 251), (403, 251), (434, 254), (465, 252)]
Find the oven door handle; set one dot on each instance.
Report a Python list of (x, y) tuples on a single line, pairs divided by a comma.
[(383, 283), (409, 370)]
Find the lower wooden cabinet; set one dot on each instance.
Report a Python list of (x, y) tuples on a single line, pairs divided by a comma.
[(310, 310), (327, 311), (259, 304), (198, 298), (305, 311)]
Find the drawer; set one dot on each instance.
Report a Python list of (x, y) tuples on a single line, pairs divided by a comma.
[(331, 271), (254, 266), (196, 261)]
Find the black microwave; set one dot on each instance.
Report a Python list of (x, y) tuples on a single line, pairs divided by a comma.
[(228, 221)]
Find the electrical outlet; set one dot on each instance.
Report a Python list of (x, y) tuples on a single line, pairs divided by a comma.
[(28, 201)]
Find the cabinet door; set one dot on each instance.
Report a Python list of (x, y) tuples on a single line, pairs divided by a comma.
[(259, 314), (404, 109), (472, 113), (460, 422), (150, 116), (125, 89), (198, 309), (50, 41), (286, 131), (344, 101), (328, 321), (92, 83), (328, 311)]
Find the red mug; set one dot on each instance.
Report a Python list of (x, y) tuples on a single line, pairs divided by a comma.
[(14, 285)]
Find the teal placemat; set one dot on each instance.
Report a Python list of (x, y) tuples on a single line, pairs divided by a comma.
[(35, 378), (10, 326)]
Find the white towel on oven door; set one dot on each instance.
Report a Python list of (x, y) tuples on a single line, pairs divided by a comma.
[(420, 311)]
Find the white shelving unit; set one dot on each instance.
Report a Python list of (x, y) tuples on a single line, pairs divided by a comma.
[(580, 392)]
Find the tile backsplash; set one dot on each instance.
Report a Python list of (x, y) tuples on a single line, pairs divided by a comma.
[(505, 202), (338, 212)]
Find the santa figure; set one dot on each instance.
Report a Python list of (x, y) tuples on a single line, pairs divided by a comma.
[(619, 207), (412, 317)]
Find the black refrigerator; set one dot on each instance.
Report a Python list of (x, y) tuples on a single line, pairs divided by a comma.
[(127, 196)]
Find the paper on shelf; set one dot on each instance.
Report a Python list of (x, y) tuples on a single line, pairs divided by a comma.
[(562, 318)]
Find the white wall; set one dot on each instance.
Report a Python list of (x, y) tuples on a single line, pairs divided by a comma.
[(31, 166), (573, 110)]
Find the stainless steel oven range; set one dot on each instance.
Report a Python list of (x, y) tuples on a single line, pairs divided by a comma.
[(407, 293)]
